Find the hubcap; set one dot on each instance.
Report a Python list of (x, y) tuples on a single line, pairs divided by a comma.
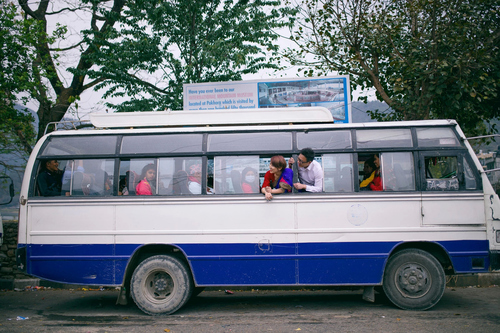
[(159, 285), (413, 280)]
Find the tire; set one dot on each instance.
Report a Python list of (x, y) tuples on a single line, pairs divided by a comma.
[(414, 280), (161, 285)]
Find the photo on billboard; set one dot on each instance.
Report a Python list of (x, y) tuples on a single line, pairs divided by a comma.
[(330, 93)]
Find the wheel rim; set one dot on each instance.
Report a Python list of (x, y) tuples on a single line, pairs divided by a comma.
[(158, 286), (413, 280)]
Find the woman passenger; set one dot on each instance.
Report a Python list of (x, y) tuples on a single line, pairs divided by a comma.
[(249, 180), (368, 174), (147, 185), (375, 183), (279, 179)]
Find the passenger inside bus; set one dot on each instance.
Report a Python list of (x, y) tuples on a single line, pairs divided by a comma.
[(368, 174), (249, 180), (123, 186), (372, 179), (278, 179), (195, 179), (50, 179), (147, 185), (310, 172)]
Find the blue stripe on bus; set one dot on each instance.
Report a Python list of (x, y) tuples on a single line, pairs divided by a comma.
[(353, 263)]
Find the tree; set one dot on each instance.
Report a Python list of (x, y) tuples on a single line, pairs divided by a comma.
[(162, 45), (17, 133), (145, 50), (425, 58), (53, 95)]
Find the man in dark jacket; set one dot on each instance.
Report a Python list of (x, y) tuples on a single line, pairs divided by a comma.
[(50, 179)]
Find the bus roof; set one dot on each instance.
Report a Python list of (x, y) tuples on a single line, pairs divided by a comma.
[(213, 117)]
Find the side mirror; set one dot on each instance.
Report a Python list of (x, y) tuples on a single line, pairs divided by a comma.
[(6, 190)]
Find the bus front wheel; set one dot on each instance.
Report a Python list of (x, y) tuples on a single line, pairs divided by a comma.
[(161, 285), (414, 280)]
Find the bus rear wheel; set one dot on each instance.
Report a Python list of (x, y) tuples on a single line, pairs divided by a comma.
[(414, 280), (161, 285)]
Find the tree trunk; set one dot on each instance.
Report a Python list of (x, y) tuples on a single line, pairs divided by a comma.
[(48, 113)]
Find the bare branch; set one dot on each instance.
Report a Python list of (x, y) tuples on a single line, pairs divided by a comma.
[(93, 83), (67, 48), (66, 9)]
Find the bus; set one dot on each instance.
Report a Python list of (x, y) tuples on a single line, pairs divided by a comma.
[(436, 214)]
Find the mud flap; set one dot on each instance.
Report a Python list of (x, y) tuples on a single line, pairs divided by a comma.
[(122, 297), (369, 294)]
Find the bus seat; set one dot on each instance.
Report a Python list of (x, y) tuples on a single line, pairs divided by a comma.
[(180, 183), (402, 182), (344, 183), (236, 181), (133, 180)]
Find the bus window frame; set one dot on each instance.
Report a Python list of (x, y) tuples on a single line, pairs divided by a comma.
[(460, 155), (293, 152)]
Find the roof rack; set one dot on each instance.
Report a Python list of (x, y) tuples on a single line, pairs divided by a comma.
[(212, 117), (75, 124)]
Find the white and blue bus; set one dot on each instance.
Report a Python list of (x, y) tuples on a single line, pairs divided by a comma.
[(436, 215)]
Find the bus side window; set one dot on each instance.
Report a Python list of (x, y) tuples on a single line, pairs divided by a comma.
[(98, 177), (338, 173), (470, 179), (236, 174), (179, 176), (88, 177), (397, 171), (441, 173), (130, 174)]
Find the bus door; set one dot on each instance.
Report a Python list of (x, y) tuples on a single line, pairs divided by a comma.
[(450, 190)]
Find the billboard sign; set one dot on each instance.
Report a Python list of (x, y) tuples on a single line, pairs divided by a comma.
[(330, 92)]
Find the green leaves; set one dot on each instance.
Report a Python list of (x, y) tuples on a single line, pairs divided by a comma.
[(18, 79), (163, 45), (426, 59)]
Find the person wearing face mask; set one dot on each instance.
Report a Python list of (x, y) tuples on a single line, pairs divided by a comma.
[(195, 178), (249, 180)]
